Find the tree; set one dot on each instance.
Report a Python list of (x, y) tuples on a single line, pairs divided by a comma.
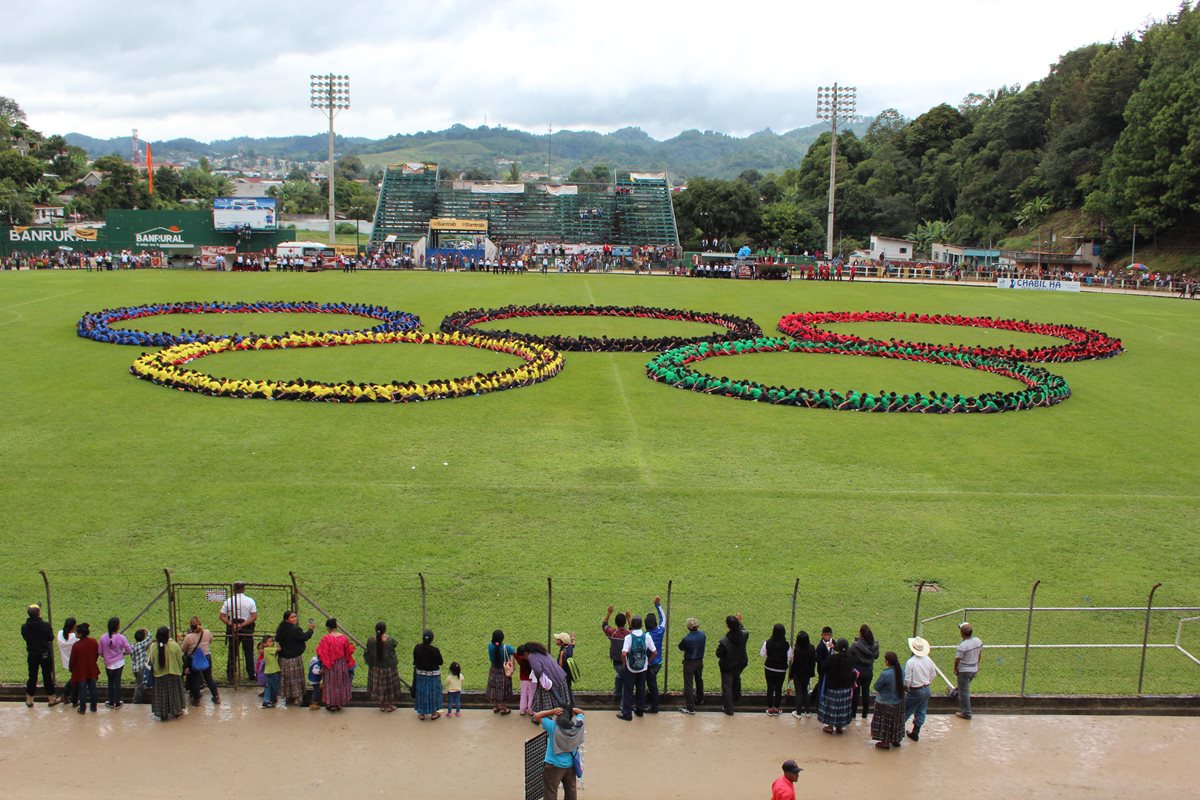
[(168, 186), (10, 112), (21, 170), (602, 173), (297, 173), (349, 167), (927, 233), (14, 206), (514, 172), (1033, 211)]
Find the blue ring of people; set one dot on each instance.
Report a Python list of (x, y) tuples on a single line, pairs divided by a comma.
[(737, 327), (97, 325), (168, 368), (1042, 388), (1082, 343)]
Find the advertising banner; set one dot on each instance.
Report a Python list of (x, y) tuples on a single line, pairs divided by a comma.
[(233, 213), (209, 253), (1031, 283)]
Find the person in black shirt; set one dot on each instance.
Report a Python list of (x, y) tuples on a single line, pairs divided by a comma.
[(39, 641)]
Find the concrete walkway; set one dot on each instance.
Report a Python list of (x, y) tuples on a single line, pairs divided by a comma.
[(239, 750)]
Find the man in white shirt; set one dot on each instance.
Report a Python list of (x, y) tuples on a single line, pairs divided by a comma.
[(636, 653), (919, 675), (239, 613), (966, 667)]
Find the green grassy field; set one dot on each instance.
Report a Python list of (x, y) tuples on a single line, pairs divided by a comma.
[(607, 481)]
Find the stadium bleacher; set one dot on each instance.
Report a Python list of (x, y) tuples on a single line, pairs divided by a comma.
[(635, 210)]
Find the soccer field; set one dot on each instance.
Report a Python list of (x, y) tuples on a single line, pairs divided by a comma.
[(603, 479)]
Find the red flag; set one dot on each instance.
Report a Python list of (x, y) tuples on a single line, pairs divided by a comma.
[(149, 169)]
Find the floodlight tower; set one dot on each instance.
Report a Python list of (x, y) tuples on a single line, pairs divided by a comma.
[(330, 94), (834, 104)]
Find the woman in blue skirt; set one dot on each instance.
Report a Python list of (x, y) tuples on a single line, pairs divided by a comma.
[(427, 677), (837, 696)]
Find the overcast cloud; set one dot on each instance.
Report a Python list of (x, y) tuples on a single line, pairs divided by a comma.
[(220, 69)]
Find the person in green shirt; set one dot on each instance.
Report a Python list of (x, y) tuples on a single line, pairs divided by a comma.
[(270, 656), (166, 660)]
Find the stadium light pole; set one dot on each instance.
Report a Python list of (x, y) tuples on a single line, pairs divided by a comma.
[(330, 94), (834, 104)]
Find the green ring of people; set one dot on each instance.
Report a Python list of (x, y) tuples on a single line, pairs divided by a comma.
[(1042, 388)]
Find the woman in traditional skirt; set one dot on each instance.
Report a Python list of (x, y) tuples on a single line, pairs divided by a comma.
[(427, 677), (887, 724), (383, 681), (499, 690), (836, 710), (551, 686), (166, 658), (334, 652), (291, 641)]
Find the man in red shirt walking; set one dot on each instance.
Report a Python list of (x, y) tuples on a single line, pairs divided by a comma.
[(782, 788)]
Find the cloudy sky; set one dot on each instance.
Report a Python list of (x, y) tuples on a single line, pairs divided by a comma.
[(218, 69)]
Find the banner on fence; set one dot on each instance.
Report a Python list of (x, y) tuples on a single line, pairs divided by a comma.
[(1031, 283)]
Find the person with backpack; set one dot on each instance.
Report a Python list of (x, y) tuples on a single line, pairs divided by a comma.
[(562, 765), (636, 652), (566, 656), (732, 659), (197, 654)]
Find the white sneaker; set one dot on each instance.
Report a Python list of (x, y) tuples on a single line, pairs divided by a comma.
[(797, 715)]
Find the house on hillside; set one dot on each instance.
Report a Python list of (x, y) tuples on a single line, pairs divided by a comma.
[(885, 248), (93, 179), (47, 215), (958, 256)]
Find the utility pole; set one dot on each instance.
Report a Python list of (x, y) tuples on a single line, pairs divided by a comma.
[(330, 93), (834, 103)]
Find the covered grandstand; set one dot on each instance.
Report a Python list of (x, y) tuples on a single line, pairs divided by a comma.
[(635, 210)]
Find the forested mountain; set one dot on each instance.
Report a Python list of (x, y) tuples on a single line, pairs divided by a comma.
[(480, 150), (1112, 134)]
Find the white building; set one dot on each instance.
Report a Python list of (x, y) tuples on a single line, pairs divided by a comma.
[(885, 248), (47, 215)]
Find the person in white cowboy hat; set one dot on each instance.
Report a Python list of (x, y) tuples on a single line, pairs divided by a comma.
[(919, 674)]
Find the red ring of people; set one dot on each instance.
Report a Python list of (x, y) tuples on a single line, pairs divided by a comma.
[(97, 325), (166, 367), (1082, 343), (738, 327)]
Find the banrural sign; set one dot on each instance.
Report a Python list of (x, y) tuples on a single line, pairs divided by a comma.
[(51, 235), (170, 236)]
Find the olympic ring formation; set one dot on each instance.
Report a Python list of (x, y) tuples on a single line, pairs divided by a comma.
[(1082, 343), (97, 325), (167, 368), (1042, 387), (738, 327)]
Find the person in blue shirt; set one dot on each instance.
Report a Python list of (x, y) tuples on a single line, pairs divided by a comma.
[(564, 735), (656, 626), (693, 645)]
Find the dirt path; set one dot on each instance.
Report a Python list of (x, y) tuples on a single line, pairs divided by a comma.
[(239, 750)]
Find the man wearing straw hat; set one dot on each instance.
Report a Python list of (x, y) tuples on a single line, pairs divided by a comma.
[(919, 675)]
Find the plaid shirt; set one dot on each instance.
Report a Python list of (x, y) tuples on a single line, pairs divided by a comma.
[(140, 654)]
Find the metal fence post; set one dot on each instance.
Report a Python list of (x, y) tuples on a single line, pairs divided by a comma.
[(424, 626), (549, 612), (1028, 634), (1146, 635), (666, 639), (917, 609), (49, 621), (172, 610), (795, 594), (295, 593)]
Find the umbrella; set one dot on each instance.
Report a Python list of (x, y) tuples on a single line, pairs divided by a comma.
[(1137, 266), (68, 249)]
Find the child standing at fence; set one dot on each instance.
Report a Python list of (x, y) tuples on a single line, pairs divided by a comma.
[(454, 684), (84, 670), (270, 672), (526, 704), (140, 647), (314, 682)]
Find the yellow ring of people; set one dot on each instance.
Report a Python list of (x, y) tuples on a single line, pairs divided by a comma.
[(168, 368)]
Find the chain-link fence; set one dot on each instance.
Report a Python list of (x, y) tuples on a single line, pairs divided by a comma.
[(1104, 646)]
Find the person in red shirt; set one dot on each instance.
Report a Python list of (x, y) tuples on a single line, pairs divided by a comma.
[(782, 788), (84, 671)]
